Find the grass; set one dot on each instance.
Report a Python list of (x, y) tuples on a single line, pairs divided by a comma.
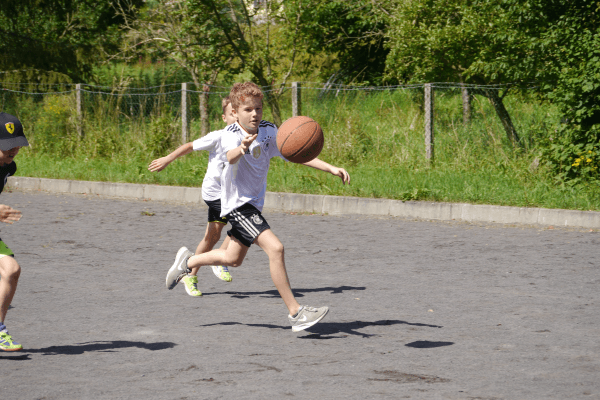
[(376, 136)]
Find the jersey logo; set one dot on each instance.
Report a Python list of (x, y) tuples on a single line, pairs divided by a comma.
[(256, 219), (256, 152), (10, 127)]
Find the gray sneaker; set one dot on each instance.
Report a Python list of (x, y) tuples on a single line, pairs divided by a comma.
[(179, 268), (307, 317)]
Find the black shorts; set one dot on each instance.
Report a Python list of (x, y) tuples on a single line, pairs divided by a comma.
[(246, 224), (214, 211)]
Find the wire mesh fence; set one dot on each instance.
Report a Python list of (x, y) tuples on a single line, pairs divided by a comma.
[(170, 114)]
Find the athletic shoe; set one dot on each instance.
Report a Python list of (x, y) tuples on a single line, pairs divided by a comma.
[(222, 272), (7, 343), (179, 268), (191, 285), (307, 317)]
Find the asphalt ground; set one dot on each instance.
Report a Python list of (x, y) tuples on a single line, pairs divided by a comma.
[(418, 309)]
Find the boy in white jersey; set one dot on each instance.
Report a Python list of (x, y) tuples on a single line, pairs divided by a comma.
[(248, 150), (211, 194)]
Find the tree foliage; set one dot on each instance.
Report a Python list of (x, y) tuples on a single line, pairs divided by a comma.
[(182, 32), (556, 45), (63, 38), (354, 32), (553, 45), (433, 41)]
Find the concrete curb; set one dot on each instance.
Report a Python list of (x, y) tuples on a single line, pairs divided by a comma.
[(332, 205)]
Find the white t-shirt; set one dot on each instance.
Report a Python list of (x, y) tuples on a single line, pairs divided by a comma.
[(246, 181), (211, 185)]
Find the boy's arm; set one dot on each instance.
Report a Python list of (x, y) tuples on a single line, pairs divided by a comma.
[(323, 166), (161, 163), (234, 155), (9, 214)]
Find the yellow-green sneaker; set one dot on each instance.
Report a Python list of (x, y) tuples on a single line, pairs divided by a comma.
[(222, 272), (190, 282), (7, 343)]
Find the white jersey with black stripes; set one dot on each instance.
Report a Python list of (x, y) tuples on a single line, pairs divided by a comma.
[(246, 181)]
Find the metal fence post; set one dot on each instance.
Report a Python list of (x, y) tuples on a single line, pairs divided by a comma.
[(79, 109), (429, 153), (184, 114), (296, 99)]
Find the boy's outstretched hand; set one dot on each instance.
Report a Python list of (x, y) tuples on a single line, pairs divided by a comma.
[(159, 164), (9, 214), (342, 173)]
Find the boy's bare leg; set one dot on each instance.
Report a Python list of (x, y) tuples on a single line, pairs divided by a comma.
[(233, 256), (274, 249), (10, 272), (211, 237)]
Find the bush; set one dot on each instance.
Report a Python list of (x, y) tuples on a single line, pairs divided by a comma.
[(56, 129)]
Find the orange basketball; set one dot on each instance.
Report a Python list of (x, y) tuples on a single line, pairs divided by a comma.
[(300, 139)]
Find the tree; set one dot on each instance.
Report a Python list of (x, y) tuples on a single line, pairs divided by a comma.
[(63, 38), (209, 37), (258, 36), (557, 45), (182, 32), (433, 41), (354, 33)]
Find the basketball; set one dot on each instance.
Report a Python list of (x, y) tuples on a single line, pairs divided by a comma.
[(300, 139)]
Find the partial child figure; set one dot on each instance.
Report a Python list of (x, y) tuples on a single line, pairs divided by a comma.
[(211, 194), (12, 139)]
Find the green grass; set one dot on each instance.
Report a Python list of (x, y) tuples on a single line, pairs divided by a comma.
[(377, 137)]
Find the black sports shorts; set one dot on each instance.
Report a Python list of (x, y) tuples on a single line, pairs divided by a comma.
[(246, 224), (214, 211)]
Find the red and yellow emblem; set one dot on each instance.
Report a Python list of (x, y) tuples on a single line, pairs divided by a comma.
[(10, 127)]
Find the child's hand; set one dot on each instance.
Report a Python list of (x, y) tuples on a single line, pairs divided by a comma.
[(9, 214), (247, 141), (159, 164), (342, 173)]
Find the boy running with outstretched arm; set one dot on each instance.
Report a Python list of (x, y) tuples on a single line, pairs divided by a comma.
[(11, 140), (248, 150), (211, 194)]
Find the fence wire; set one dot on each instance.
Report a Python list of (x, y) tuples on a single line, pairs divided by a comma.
[(463, 110)]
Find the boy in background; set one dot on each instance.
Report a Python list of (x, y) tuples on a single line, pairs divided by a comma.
[(211, 194), (12, 139), (248, 146)]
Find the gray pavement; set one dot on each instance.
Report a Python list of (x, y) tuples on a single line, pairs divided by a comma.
[(419, 310)]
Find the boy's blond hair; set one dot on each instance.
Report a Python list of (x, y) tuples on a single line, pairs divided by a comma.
[(225, 102), (241, 91)]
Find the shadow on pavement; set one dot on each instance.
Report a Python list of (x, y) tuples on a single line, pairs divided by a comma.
[(351, 328), (297, 292), (426, 344), (325, 330), (21, 357), (106, 347)]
